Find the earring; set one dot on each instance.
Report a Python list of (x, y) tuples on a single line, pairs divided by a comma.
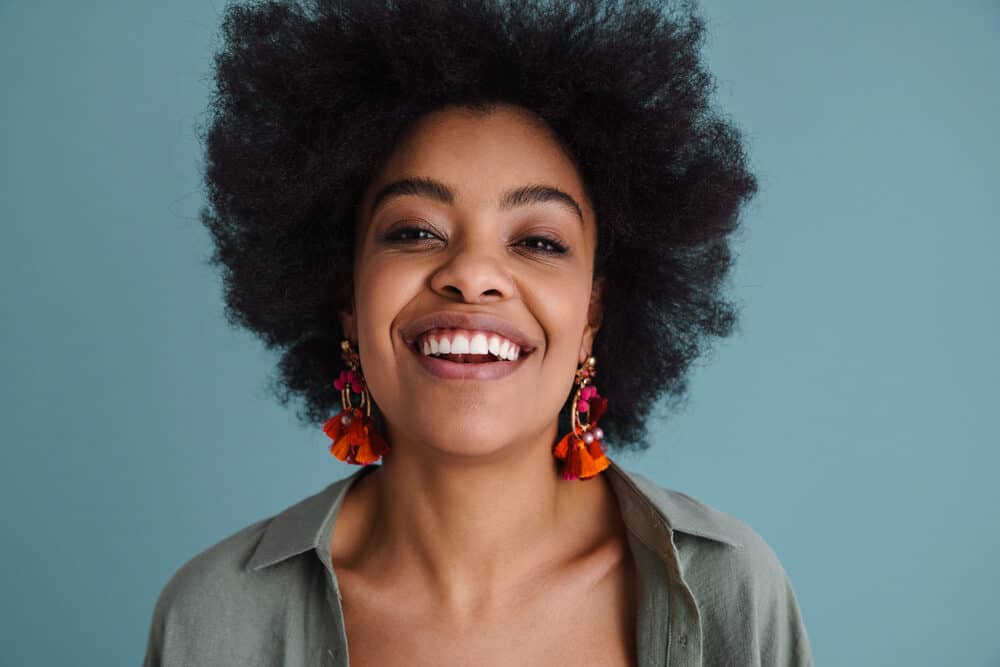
[(355, 439), (581, 449)]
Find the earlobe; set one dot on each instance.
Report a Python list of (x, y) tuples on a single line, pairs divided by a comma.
[(348, 323), (595, 313), (595, 316), (587, 344)]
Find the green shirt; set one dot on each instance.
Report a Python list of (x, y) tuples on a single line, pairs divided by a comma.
[(712, 591)]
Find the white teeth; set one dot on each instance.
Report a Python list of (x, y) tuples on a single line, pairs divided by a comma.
[(460, 344), (478, 344)]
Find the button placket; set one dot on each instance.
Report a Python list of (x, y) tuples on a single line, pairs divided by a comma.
[(684, 638), (337, 654)]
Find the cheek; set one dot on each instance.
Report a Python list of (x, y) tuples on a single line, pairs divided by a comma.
[(562, 309), (382, 291)]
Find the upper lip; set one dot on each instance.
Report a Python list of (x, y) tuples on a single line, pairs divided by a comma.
[(476, 321)]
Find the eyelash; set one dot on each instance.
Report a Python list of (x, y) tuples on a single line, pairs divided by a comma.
[(394, 237)]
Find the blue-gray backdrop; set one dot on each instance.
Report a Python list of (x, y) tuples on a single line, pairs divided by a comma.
[(851, 421)]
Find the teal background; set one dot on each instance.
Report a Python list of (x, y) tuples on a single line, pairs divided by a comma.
[(851, 421)]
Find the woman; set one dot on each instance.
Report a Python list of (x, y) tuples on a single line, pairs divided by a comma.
[(458, 220)]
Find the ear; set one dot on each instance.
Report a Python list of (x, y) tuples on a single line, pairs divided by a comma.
[(595, 315), (348, 321)]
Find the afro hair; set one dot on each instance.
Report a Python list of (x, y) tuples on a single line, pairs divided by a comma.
[(311, 96)]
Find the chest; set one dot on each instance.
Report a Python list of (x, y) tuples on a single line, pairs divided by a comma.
[(595, 627)]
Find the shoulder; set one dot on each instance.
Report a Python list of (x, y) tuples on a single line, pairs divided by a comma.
[(701, 528), (212, 605), (255, 560), (206, 600), (211, 578), (744, 595), (224, 605)]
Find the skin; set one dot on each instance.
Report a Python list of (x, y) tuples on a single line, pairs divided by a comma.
[(466, 525)]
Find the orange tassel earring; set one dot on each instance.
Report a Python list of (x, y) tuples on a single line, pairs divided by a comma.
[(581, 449), (355, 439)]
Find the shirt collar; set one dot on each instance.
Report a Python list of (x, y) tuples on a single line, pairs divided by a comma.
[(650, 511), (647, 507)]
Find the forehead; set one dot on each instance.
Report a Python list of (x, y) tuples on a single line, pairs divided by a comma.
[(480, 154)]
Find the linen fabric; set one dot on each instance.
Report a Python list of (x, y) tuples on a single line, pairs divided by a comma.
[(711, 590)]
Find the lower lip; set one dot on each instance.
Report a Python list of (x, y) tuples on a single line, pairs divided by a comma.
[(450, 370)]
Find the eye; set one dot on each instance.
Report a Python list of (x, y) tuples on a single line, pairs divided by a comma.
[(408, 235), (544, 245)]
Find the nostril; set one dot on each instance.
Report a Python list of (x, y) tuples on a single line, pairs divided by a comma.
[(457, 291)]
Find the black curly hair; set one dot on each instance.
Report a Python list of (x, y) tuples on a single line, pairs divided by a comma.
[(312, 95)]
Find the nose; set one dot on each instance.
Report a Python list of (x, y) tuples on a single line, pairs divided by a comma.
[(474, 274)]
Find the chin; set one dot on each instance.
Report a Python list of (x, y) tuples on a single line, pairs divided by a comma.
[(470, 438)]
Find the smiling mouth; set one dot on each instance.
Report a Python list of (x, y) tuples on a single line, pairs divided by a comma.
[(467, 346), (468, 358), (466, 367)]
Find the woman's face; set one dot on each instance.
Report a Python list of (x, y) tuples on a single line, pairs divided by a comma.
[(439, 232)]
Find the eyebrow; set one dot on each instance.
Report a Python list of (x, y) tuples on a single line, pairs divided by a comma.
[(522, 196)]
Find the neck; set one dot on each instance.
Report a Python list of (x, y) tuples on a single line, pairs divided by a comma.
[(470, 532)]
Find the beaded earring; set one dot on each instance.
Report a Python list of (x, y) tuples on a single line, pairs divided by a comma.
[(581, 449), (355, 439)]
